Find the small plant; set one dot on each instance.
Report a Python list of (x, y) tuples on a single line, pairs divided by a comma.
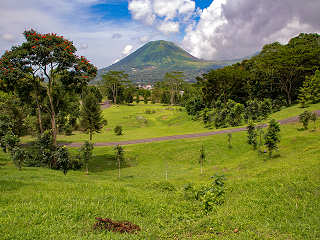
[(119, 157), (252, 134), (86, 153), (229, 140), (118, 130), (304, 118), (202, 158), (272, 137), (210, 195)]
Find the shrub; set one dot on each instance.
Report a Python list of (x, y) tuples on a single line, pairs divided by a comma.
[(18, 155), (210, 195), (61, 156), (304, 118), (118, 130)]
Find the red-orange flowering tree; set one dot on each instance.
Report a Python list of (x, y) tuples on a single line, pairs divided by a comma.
[(45, 59)]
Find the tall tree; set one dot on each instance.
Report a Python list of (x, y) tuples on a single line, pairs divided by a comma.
[(91, 118), (113, 80), (47, 58), (174, 81)]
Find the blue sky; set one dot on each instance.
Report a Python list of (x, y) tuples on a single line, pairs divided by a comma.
[(108, 30)]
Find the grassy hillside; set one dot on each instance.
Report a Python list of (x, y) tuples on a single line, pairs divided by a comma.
[(166, 121), (150, 63), (274, 198)]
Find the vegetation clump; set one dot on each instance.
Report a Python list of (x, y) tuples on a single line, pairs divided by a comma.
[(305, 117), (114, 226), (272, 137), (118, 130)]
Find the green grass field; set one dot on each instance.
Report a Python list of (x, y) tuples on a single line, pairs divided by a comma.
[(276, 198), (166, 121)]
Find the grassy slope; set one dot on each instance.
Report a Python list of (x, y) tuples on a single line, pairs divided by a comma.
[(268, 199), (162, 123)]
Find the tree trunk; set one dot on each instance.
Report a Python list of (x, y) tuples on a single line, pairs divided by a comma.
[(87, 171), (119, 167), (90, 135), (53, 120), (39, 117)]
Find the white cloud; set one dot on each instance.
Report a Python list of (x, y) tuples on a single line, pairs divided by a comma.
[(236, 28), (127, 49), (169, 27), (8, 37), (166, 14), (142, 10), (95, 40)]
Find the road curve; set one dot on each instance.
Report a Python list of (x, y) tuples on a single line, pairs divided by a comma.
[(183, 136)]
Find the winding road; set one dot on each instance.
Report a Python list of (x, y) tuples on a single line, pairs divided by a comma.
[(183, 136)]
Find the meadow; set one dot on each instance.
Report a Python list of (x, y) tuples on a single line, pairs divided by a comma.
[(161, 121), (276, 198)]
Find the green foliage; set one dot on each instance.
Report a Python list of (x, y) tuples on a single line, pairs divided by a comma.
[(272, 136), (9, 141), (118, 130), (252, 134), (19, 156), (194, 105), (62, 158), (210, 195), (304, 118), (86, 153), (314, 118), (91, 115), (310, 91), (113, 82)]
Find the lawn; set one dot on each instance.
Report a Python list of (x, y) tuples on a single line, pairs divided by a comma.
[(276, 198), (164, 121)]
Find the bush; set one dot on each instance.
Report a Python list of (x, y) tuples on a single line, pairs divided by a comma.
[(118, 130), (61, 156), (252, 134), (210, 195), (304, 118), (19, 156)]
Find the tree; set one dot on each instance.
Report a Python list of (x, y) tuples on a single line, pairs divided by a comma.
[(174, 81), (252, 134), (229, 140), (202, 158), (86, 153), (48, 58), (310, 91), (113, 80), (91, 114), (272, 137), (119, 156)]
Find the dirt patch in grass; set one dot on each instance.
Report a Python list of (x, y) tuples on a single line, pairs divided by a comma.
[(114, 226)]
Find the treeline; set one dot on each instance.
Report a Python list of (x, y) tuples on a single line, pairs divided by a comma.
[(278, 76)]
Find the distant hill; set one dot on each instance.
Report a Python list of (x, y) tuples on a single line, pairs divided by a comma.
[(149, 63)]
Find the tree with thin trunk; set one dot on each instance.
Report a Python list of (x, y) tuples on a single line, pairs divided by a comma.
[(86, 153), (47, 58), (174, 80), (252, 134), (202, 158), (113, 80), (272, 137), (91, 118), (119, 156)]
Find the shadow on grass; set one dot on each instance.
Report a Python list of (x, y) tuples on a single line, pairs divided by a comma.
[(10, 185), (105, 162)]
